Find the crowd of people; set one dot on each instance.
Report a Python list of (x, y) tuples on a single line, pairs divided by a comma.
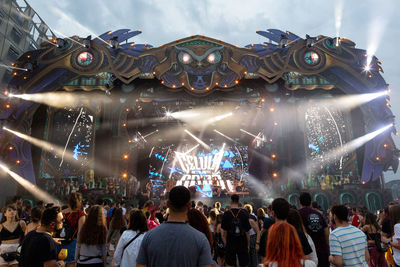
[(183, 232)]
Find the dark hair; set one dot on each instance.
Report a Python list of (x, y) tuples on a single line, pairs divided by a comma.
[(199, 222), (94, 230), (74, 200), (370, 219), (305, 199), (117, 221), (15, 198), (49, 215), (36, 214), (217, 205), (100, 201), (295, 219), (10, 206), (280, 206), (315, 205), (178, 198), (235, 198), (137, 221), (341, 212)]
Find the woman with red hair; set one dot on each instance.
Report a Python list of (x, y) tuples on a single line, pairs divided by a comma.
[(284, 247)]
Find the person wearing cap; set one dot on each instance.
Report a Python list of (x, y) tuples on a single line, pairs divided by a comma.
[(175, 243)]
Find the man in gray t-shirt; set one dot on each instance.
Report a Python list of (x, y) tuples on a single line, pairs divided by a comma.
[(174, 243)]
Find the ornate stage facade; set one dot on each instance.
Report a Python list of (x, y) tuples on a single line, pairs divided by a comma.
[(110, 117)]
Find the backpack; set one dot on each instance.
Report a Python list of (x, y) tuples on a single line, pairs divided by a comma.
[(236, 226), (69, 232)]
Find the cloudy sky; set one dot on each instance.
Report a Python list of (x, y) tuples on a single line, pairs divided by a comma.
[(370, 24)]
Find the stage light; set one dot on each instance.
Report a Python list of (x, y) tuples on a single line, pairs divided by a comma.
[(338, 19), (114, 42), (124, 124), (6, 92), (31, 188), (367, 68), (8, 106), (385, 145), (125, 156), (168, 114), (271, 109), (275, 175), (309, 41), (378, 158), (127, 110), (10, 147), (275, 123), (87, 41), (18, 162), (363, 182), (273, 156), (284, 41), (124, 175), (198, 140)]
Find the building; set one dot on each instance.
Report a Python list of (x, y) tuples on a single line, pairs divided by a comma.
[(21, 30)]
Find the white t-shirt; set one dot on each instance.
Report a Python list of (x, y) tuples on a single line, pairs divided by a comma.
[(396, 252), (306, 263), (313, 255), (128, 257), (123, 211)]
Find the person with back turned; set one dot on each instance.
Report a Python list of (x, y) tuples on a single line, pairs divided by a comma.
[(175, 243)]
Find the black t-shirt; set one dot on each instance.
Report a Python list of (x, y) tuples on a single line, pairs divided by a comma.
[(315, 226), (387, 227), (37, 248), (226, 225), (304, 243)]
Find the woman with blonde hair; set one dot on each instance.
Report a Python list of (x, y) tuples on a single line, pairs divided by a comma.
[(284, 247), (91, 246), (11, 232)]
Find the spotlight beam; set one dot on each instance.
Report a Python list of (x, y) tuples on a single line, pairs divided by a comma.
[(193, 148), (301, 171), (33, 189), (198, 140), (227, 137), (255, 136), (65, 36), (12, 68), (53, 149), (63, 99)]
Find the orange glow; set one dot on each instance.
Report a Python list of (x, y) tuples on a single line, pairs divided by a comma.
[(124, 175), (124, 124), (173, 86), (385, 145), (10, 148), (236, 81), (18, 162), (271, 109), (275, 175), (15, 74), (129, 141), (273, 156), (125, 156), (216, 83), (270, 140), (363, 182), (378, 158), (8, 106), (162, 82), (183, 84), (127, 109), (263, 100), (6, 92)]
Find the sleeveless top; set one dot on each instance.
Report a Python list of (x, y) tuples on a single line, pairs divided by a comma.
[(5, 234), (73, 218)]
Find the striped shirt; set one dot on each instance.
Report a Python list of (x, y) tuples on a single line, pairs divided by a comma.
[(350, 243)]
